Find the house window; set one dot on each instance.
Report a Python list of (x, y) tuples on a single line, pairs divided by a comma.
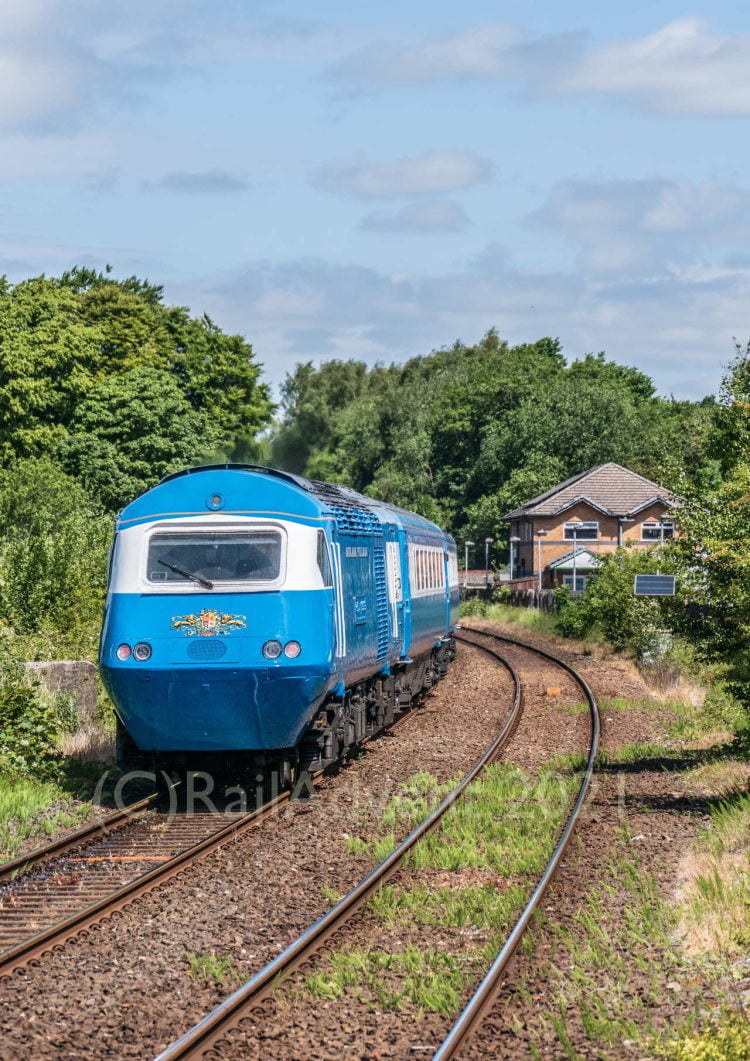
[(651, 530), (580, 582), (582, 531)]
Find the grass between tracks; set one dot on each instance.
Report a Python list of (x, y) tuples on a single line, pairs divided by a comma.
[(211, 967), (463, 886)]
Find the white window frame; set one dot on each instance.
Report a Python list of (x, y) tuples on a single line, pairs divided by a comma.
[(426, 570), (568, 581), (578, 524), (657, 525)]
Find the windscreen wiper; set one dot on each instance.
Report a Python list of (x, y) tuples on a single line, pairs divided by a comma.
[(187, 574)]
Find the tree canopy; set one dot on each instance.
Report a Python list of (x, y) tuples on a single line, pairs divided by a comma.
[(466, 433), (100, 375)]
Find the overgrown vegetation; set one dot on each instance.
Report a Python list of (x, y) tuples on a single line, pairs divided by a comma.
[(103, 389), (24, 812), (471, 877)]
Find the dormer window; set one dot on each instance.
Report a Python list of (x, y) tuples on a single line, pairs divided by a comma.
[(582, 532), (653, 529)]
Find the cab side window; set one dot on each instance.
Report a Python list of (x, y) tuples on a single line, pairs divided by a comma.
[(324, 562)]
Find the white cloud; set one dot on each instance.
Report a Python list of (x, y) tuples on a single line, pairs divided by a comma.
[(646, 224), (681, 68), (205, 182), (315, 309), (479, 51), (58, 65), (441, 216), (684, 67), (425, 174)]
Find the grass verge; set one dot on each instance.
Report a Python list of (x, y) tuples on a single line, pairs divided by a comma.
[(34, 809)]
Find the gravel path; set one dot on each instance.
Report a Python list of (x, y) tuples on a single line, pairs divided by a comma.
[(125, 991)]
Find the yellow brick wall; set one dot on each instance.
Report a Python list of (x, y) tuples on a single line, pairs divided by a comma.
[(555, 544)]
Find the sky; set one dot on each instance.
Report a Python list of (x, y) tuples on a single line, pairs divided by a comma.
[(375, 181)]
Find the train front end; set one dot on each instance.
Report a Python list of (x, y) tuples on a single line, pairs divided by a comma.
[(218, 631)]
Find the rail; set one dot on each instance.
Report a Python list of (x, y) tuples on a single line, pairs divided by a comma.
[(212, 1027), (484, 997)]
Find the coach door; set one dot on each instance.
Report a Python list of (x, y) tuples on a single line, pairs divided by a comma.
[(395, 591)]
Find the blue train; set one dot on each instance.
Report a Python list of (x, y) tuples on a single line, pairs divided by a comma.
[(252, 610)]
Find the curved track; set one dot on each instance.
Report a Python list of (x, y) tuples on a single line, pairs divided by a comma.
[(484, 997), (214, 1027)]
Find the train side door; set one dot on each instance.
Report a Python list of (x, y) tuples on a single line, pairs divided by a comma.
[(395, 591)]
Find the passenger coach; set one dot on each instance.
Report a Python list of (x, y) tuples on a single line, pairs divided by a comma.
[(254, 611)]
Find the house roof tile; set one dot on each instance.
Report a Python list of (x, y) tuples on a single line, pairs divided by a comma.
[(608, 487)]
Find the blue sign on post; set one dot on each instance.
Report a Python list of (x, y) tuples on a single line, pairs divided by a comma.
[(654, 586)]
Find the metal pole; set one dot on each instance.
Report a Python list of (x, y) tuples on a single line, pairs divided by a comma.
[(511, 559), (486, 562), (575, 566), (467, 544), (539, 540)]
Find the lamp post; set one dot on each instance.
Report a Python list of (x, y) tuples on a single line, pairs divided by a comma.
[(466, 561), (540, 535), (515, 540), (575, 559), (487, 543), (662, 520)]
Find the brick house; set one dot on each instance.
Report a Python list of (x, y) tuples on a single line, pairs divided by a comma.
[(566, 528)]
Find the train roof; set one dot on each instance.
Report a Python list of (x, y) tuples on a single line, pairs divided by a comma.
[(341, 501)]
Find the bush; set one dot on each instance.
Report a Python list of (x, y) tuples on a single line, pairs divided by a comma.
[(475, 608), (31, 721), (609, 604), (53, 555)]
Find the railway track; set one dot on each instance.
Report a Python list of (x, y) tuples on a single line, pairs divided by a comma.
[(16, 867), (210, 1031), (68, 894), (213, 1030), (483, 999), (51, 895)]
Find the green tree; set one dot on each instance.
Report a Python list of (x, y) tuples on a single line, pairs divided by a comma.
[(53, 555), (130, 431), (68, 345)]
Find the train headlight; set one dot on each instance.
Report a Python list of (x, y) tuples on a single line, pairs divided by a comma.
[(272, 649), (123, 652), (292, 649), (142, 651)]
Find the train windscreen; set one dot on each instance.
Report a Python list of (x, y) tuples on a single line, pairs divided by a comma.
[(219, 556)]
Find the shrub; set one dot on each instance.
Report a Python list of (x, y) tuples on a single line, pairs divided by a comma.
[(31, 720), (475, 608), (609, 604), (53, 554)]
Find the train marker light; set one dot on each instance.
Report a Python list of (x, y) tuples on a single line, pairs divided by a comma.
[(292, 649), (142, 652), (272, 649), (123, 652)]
